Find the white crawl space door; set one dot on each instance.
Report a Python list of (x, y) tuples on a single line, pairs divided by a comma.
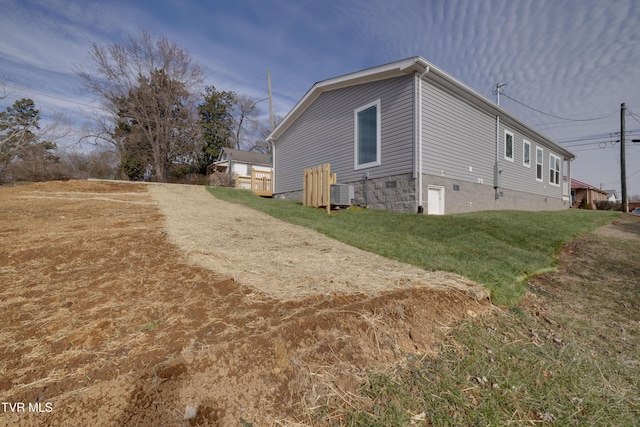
[(435, 200)]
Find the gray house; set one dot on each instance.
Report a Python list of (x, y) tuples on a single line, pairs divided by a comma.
[(409, 137)]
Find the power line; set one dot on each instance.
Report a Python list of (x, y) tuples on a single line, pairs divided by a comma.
[(602, 140), (635, 173), (557, 117), (594, 137), (581, 150), (584, 138), (633, 116), (599, 143), (565, 124), (17, 88)]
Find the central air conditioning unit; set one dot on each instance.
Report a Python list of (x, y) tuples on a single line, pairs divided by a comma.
[(341, 195)]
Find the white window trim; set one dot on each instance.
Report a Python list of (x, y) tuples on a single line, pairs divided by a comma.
[(552, 163), (526, 143), (377, 162), (513, 145), (541, 179)]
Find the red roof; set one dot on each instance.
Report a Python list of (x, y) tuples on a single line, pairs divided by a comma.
[(575, 184)]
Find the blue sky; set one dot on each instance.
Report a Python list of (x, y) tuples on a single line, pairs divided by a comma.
[(577, 59)]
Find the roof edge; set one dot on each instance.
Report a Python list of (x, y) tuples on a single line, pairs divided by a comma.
[(369, 75), (396, 69)]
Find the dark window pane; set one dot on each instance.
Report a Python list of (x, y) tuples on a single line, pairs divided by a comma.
[(509, 146), (367, 135)]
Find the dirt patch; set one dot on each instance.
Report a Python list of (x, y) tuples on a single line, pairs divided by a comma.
[(625, 228), (608, 256), (108, 318), (594, 300)]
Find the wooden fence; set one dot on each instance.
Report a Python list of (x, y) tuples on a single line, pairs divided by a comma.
[(316, 189), (243, 181), (260, 182)]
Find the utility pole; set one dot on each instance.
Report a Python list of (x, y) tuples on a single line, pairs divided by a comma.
[(271, 121), (623, 165)]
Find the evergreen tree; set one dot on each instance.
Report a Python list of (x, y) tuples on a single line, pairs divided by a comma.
[(17, 126), (216, 120)]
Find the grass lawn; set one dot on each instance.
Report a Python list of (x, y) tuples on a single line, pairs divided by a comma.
[(498, 249), (566, 353)]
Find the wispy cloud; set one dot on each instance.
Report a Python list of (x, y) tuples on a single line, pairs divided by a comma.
[(576, 59)]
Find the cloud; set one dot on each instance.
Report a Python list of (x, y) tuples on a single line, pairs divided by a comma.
[(539, 48), (571, 59)]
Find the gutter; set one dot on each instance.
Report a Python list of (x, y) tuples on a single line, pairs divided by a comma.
[(420, 191)]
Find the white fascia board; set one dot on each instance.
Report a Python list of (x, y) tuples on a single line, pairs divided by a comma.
[(404, 67), (387, 71)]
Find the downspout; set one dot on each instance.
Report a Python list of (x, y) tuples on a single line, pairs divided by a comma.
[(497, 137), (420, 192), (569, 181), (496, 166)]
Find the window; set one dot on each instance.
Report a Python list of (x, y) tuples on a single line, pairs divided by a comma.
[(554, 170), (526, 153), (508, 145), (539, 163), (367, 135)]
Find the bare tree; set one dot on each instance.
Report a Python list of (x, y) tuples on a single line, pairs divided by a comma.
[(4, 91), (35, 158), (148, 88), (36, 162), (24, 144), (244, 121), (98, 163), (250, 131), (260, 143)]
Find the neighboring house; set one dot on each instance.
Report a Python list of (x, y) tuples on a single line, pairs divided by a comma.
[(409, 137), (612, 195), (581, 190), (238, 162)]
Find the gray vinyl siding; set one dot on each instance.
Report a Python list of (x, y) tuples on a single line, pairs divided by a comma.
[(458, 136), (324, 133), (516, 176)]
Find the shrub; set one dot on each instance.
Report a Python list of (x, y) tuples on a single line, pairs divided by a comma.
[(221, 179), (606, 205), (584, 204)]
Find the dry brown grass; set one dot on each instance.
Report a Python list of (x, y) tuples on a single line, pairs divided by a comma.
[(108, 320), (279, 259)]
